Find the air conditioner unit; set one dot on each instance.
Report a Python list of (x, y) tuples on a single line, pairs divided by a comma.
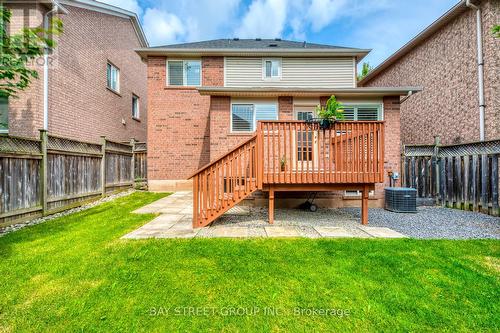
[(401, 199)]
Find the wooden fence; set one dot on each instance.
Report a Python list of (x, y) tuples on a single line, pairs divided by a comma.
[(45, 176), (463, 176)]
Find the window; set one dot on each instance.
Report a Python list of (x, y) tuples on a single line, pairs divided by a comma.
[(362, 112), (4, 115), (305, 115), (244, 117), (272, 68), (184, 72), (357, 193), (135, 107), (113, 77)]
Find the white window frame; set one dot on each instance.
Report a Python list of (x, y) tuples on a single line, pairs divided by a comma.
[(357, 193), (117, 90), (379, 106), (272, 78), (254, 120), (184, 73), (138, 116)]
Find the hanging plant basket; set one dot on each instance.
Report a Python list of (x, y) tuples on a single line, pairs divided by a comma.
[(323, 123)]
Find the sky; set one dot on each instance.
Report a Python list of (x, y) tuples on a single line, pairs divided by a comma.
[(381, 25)]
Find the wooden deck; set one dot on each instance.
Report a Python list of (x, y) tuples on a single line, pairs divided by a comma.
[(292, 156)]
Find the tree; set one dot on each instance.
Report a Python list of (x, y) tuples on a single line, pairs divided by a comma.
[(365, 69), (496, 31), (18, 50)]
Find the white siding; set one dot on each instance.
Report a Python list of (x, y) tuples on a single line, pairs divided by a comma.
[(296, 72)]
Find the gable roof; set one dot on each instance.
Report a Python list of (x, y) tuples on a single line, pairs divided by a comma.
[(456, 10), (257, 43), (110, 10), (258, 46)]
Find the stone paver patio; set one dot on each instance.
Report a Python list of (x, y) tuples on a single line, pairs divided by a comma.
[(175, 221)]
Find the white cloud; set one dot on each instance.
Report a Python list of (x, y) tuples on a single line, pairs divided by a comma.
[(322, 12), (264, 18), (162, 27), (131, 5)]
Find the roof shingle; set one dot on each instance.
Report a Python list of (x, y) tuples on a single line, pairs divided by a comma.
[(256, 44)]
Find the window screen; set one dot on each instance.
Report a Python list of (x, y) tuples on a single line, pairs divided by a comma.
[(272, 68), (348, 113), (362, 112), (175, 73), (242, 117), (193, 71), (367, 113), (266, 112)]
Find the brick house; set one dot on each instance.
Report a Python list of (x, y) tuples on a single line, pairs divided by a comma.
[(96, 82), (206, 98), (443, 59)]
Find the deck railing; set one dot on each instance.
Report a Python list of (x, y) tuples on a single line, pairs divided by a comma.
[(224, 182), (295, 152)]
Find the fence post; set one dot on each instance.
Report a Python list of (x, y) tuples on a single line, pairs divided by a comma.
[(494, 185), (132, 167), (43, 170), (435, 166), (103, 166)]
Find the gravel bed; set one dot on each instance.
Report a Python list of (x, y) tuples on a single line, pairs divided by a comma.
[(434, 222), (428, 222), (15, 227)]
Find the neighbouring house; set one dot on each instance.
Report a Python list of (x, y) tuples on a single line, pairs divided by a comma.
[(445, 59), (206, 101), (97, 84)]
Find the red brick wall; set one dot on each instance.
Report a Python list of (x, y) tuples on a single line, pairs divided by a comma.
[(285, 105), (213, 71), (445, 65), (80, 105), (179, 121), (392, 140)]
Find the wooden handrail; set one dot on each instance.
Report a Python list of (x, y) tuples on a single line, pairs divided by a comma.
[(221, 157)]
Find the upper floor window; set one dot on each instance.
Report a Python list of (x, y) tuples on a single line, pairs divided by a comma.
[(244, 117), (184, 72), (272, 68), (113, 77), (135, 107), (362, 112)]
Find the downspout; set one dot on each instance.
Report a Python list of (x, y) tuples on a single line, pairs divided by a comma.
[(46, 69), (480, 66), (406, 97)]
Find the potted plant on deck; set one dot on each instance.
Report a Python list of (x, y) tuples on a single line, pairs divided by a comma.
[(330, 113)]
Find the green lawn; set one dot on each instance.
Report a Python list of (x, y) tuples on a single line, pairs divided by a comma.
[(75, 273)]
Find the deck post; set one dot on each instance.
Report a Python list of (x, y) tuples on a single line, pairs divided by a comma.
[(364, 205), (195, 201), (271, 204)]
